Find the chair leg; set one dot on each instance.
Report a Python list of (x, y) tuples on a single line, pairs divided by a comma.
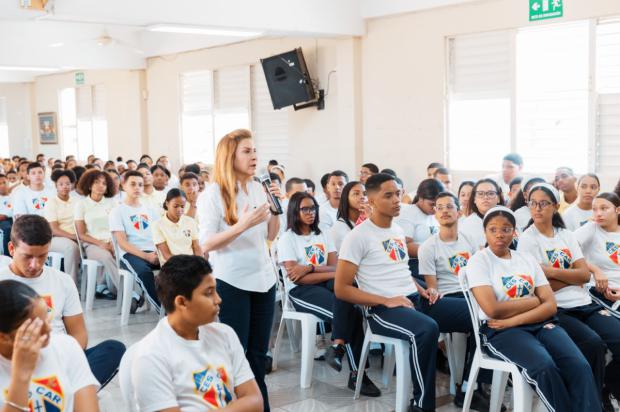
[(389, 362), (127, 292), (361, 366), (83, 276), (522, 394), (91, 282), (308, 344), (471, 380), (498, 389), (403, 378), (276, 347)]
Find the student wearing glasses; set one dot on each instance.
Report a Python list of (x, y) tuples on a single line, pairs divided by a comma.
[(517, 309), (367, 170), (486, 194), (590, 326), (519, 204), (580, 212)]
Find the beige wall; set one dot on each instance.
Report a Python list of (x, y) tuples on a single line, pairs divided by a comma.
[(19, 117)]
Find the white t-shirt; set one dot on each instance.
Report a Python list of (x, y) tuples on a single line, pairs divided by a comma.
[(560, 252), (321, 198), (473, 229), (417, 225), (28, 201), (61, 371), (312, 249), (6, 206), (327, 216), (514, 278), (522, 218), (202, 374), (244, 263), (381, 257), (574, 217), (601, 248), (56, 288), (339, 231), (136, 222), (445, 260)]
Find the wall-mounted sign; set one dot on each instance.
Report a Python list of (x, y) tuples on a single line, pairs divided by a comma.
[(79, 78), (546, 9)]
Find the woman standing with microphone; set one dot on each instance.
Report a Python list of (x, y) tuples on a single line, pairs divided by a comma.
[(235, 225)]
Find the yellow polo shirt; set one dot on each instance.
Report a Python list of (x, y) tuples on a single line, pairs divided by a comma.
[(95, 216), (178, 236), (57, 210), (155, 201)]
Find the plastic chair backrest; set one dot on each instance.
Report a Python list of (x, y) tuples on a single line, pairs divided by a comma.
[(117, 251), (79, 242), (472, 305), (281, 284), (124, 377)]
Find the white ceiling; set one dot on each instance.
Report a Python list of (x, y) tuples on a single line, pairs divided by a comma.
[(73, 26)]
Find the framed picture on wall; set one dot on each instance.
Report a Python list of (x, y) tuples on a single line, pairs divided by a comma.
[(48, 130)]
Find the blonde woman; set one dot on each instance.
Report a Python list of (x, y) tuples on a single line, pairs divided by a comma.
[(235, 225)]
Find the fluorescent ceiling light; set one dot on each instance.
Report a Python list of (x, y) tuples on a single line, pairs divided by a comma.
[(209, 31), (29, 69)]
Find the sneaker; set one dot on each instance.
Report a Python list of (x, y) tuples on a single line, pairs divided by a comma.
[(334, 355), (135, 304), (479, 401), (368, 387), (607, 404), (319, 355)]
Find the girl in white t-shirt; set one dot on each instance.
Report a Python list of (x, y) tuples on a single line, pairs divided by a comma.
[(485, 195), (352, 211), (465, 191), (580, 212), (39, 370), (600, 241), (590, 326), (309, 258), (519, 204), (517, 308)]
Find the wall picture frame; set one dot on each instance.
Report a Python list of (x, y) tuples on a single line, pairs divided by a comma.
[(48, 128)]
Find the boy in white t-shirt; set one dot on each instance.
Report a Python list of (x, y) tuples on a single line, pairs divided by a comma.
[(6, 213), (130, 224), (375, 254), (32, 199), (209, 369), (328, 211)]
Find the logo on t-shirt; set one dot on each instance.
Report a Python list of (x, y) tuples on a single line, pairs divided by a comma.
[(50, 304), (518, 286), (458, 262), (6, 203), (139, 222), (187, 233), (315, 254), (583, 223), (433, 229), (612, 251), (39, 202), (395, 248), (559, 258), (213, 386), (45, 395)]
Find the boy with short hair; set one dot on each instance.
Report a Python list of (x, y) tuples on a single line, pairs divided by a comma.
[(190, 185), (33, 198), (6, 213)]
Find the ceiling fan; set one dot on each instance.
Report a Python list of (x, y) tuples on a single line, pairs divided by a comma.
[(103, 41)]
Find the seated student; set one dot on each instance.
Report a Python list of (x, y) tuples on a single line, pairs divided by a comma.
[(30, 241), (175, 233), (132, 164), (164, 161), (367, 170), (514, 189), (22, 177), (59, 212), (329, 210), (151, 197), (292, 186), (309, 257), (311, 187), (512, 166), (600, 242), (375, 255), (39, 370), (463, 194), (161, 176), (517, 310), (116, 179), (323, 196), (6, 213), (12, 177), (590, 326), (32, 199), (580, 212), (352, 211), (130, 224), (443, 175), (209, 369), (565, 181), (485, 195), (190, 184), (146, 159), (519, 205), (91, 216)]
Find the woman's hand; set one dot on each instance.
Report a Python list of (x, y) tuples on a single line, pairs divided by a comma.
[(398, 301), (612, 294), (601, 281), (298, 272), (433, 295), (274, 189), (252, 218), (26, 349), (500, 324)]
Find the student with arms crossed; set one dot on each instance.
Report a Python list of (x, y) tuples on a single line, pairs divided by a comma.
[(39, 370), (375, 255), (517, 309)]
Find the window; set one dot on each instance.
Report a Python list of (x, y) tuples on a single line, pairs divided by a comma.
[(531, 91), (4, 129), (83, 121)]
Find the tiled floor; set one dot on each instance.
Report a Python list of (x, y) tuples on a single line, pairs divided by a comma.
[(327, 393)]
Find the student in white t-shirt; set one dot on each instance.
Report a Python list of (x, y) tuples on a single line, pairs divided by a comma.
[(519, 204), (39, 370), (292, 186), (517, 309), (465, 192), (131, 225), (209, 369), (329, 210), (485, 195), (375, 255), (352, 211), (190, 185), (309, 258), (30, 241), (6, 213), (580, 212), (151, 197), (32, 199), (590, 326), (600, 242)]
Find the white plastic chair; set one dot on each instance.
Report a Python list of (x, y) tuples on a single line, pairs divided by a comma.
[(124, 379), (54, 259), (126, 285), (522, 392), (90, 269)]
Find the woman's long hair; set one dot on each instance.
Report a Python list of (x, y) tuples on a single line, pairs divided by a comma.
[(224, 174), (292, 214), (343, 207)]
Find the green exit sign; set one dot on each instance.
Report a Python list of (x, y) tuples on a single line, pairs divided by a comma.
[(79, 78), (546, 9)]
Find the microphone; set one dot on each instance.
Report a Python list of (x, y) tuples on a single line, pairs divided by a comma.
[(274, 202)]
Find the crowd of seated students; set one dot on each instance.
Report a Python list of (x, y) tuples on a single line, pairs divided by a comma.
[(541, 260)]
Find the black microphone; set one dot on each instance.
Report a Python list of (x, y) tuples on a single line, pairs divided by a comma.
[(274, 202)]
